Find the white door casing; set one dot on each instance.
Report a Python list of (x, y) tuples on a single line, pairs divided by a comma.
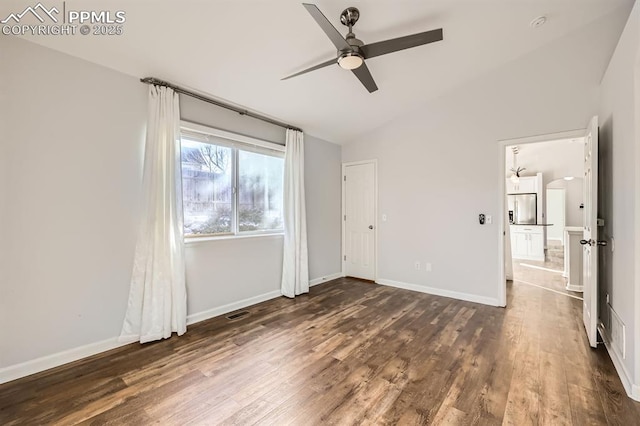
[(590, 233), (359, 220)]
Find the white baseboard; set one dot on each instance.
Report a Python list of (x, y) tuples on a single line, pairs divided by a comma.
[(578, 288), (225, 309), (633, 390), (440, 292), (38, 365), (230, 307), (324, 279)]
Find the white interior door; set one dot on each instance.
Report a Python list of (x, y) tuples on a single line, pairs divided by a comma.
[(590, 233), (359, 221)]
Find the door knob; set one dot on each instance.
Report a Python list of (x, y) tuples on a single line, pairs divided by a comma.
[(370, 226), (593, 242)]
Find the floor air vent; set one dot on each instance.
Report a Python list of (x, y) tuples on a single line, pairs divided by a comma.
[(237, 315)]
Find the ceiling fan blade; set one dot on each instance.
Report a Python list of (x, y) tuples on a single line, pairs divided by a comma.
[(363, 74), (334, 35), (313, 68), (389, 46)]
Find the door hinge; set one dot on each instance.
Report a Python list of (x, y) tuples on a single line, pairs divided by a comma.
[(345, 217), (345, 178), (345, 257)]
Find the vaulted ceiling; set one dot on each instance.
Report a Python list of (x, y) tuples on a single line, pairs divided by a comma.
[(239, 50)]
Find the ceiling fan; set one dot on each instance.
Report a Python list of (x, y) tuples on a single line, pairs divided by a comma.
[(353, 52)]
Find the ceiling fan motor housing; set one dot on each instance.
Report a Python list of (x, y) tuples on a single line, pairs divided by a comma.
[(353, 41)]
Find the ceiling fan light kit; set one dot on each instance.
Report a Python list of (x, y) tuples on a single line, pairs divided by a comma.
[(350, 60), (352, 52)]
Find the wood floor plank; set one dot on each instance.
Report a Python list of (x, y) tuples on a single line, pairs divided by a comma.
[(523, 401), (350, 352), (555, 408), (586, 407)]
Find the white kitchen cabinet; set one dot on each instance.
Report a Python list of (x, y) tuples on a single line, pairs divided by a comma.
[(527, 242), (536, 245), (519, 247), (526, 185)]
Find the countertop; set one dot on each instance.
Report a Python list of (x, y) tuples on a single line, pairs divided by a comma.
[(532, 224)]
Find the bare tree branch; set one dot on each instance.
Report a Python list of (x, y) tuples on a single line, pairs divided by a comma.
[(214, 158)]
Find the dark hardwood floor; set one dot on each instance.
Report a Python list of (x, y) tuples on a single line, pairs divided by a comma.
[(348, 353)]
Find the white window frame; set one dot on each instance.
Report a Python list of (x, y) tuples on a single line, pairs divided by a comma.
[(235, 142)]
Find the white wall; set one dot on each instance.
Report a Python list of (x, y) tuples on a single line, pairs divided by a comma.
[(323, 190), (4, 198), (224, 272), (618, 190), (574, 197), (72, 150), (73, 145), (555, 213), (200, 112), (439, 167)]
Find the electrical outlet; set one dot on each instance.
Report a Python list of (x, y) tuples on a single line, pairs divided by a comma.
[(417, 266), (427, 267)]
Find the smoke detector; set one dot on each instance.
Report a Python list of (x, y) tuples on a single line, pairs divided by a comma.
[(538, 22)]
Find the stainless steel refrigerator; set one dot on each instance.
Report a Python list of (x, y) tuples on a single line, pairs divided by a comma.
[(522, 209)]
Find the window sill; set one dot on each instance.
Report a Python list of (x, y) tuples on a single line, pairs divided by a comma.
[(198, 240)]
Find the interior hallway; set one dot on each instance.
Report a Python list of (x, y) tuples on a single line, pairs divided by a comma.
[(547, 274)]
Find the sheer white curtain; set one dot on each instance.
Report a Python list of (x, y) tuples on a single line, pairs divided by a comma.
[(157, 298), (295, 263)]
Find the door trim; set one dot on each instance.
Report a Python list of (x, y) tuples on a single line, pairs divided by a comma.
[(502, 145), (375, 214)]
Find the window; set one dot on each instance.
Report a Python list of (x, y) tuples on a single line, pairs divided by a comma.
[(260, 180), (229, 187)]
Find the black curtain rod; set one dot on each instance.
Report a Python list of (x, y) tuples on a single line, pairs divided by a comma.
[(177, 89)]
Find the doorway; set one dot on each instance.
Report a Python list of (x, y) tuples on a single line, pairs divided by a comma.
[(587, 158), (359, 220), (539, 161)]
